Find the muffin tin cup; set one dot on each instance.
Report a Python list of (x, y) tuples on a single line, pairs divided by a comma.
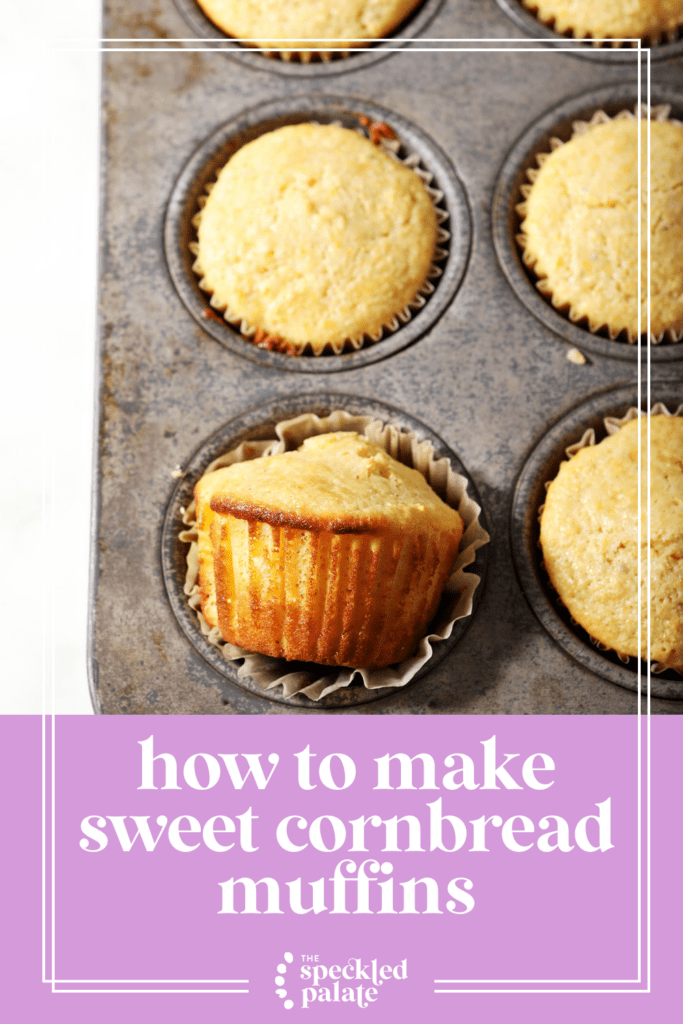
[(542, 466), (506, 221), (259, 424), (529, 23), (352, 60), (212, 155)]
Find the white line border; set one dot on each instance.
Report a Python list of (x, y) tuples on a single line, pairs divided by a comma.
[(542, 47)]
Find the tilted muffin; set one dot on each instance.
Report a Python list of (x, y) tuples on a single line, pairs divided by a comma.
[(314, 235), (610, 19), (345, 23), (580, 227), (334, 553), (589, 536)]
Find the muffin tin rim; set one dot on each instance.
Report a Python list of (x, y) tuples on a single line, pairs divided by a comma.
[(361, 57), (529, 23), (181, 207), (547, 451), (229, 435), (506, 196)]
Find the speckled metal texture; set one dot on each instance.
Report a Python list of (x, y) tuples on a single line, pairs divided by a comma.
[(528, 21), (489, 378), (255, 425), (540, 468), (213, 154), (506, 221), (416, 24)]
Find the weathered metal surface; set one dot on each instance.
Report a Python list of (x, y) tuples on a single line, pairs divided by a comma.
[(488, 377)]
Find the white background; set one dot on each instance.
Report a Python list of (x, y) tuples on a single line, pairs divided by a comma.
[(49, 170)]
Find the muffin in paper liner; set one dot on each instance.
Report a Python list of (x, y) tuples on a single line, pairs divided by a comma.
[(458, 595), (613, 425), (669, 266), (611, 22), (343, 27), (382, 135)]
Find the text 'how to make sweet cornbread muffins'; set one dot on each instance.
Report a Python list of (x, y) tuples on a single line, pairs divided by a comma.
[(296, 29), (613, 22), (313, 239), (580, 221), (596, 535)]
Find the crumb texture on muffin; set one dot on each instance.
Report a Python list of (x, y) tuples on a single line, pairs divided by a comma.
[(346, 23), (335, 553), (314, 235), (610, 19), (580, 226), (589, 537)]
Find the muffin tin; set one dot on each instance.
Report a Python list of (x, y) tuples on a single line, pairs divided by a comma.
[(540, 468), (486, 376), (207, 161), (528, 21), (506, 221), (414, 25), (258, 424)]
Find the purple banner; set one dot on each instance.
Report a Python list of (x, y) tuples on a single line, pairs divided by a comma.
[(255, 868)]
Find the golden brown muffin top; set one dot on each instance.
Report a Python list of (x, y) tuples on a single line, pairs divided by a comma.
[(610, 19), (589, 536), (347, 23), (581, 226), (315, 235), (339, 483)]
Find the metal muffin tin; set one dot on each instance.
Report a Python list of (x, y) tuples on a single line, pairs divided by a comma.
[(487, 376), (506, 221), (257, 425), (528, 21), (540, 468), (214, 153), (358, 58)]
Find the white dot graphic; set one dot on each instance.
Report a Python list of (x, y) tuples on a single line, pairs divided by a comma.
[(289, 1004), (288, 957), (279, 980), (281, 969), (281, 992)]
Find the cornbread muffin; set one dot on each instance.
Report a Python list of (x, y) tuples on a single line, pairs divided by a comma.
[(333, 553), (346, 23), (580, 227), (314, 235), (589, 536), (610, 19)]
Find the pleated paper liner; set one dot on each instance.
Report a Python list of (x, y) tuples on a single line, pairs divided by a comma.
[(305, 62), (410, 145), (458, 595), (655, 113), (251, 332), (510, 193), (663, 45), (592, 420)]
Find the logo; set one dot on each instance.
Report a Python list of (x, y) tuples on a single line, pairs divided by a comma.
[(313, 983)]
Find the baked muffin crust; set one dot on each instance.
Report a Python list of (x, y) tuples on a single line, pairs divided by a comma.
[(334, 553), (345, 22), (580, 227), (314, 235), (610, 19), (589, 536)]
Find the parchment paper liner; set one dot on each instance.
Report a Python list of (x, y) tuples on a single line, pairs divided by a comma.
[(403, 316), (269, 48), (613, 425), (458, 595), (659, 113), (665, 36)]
